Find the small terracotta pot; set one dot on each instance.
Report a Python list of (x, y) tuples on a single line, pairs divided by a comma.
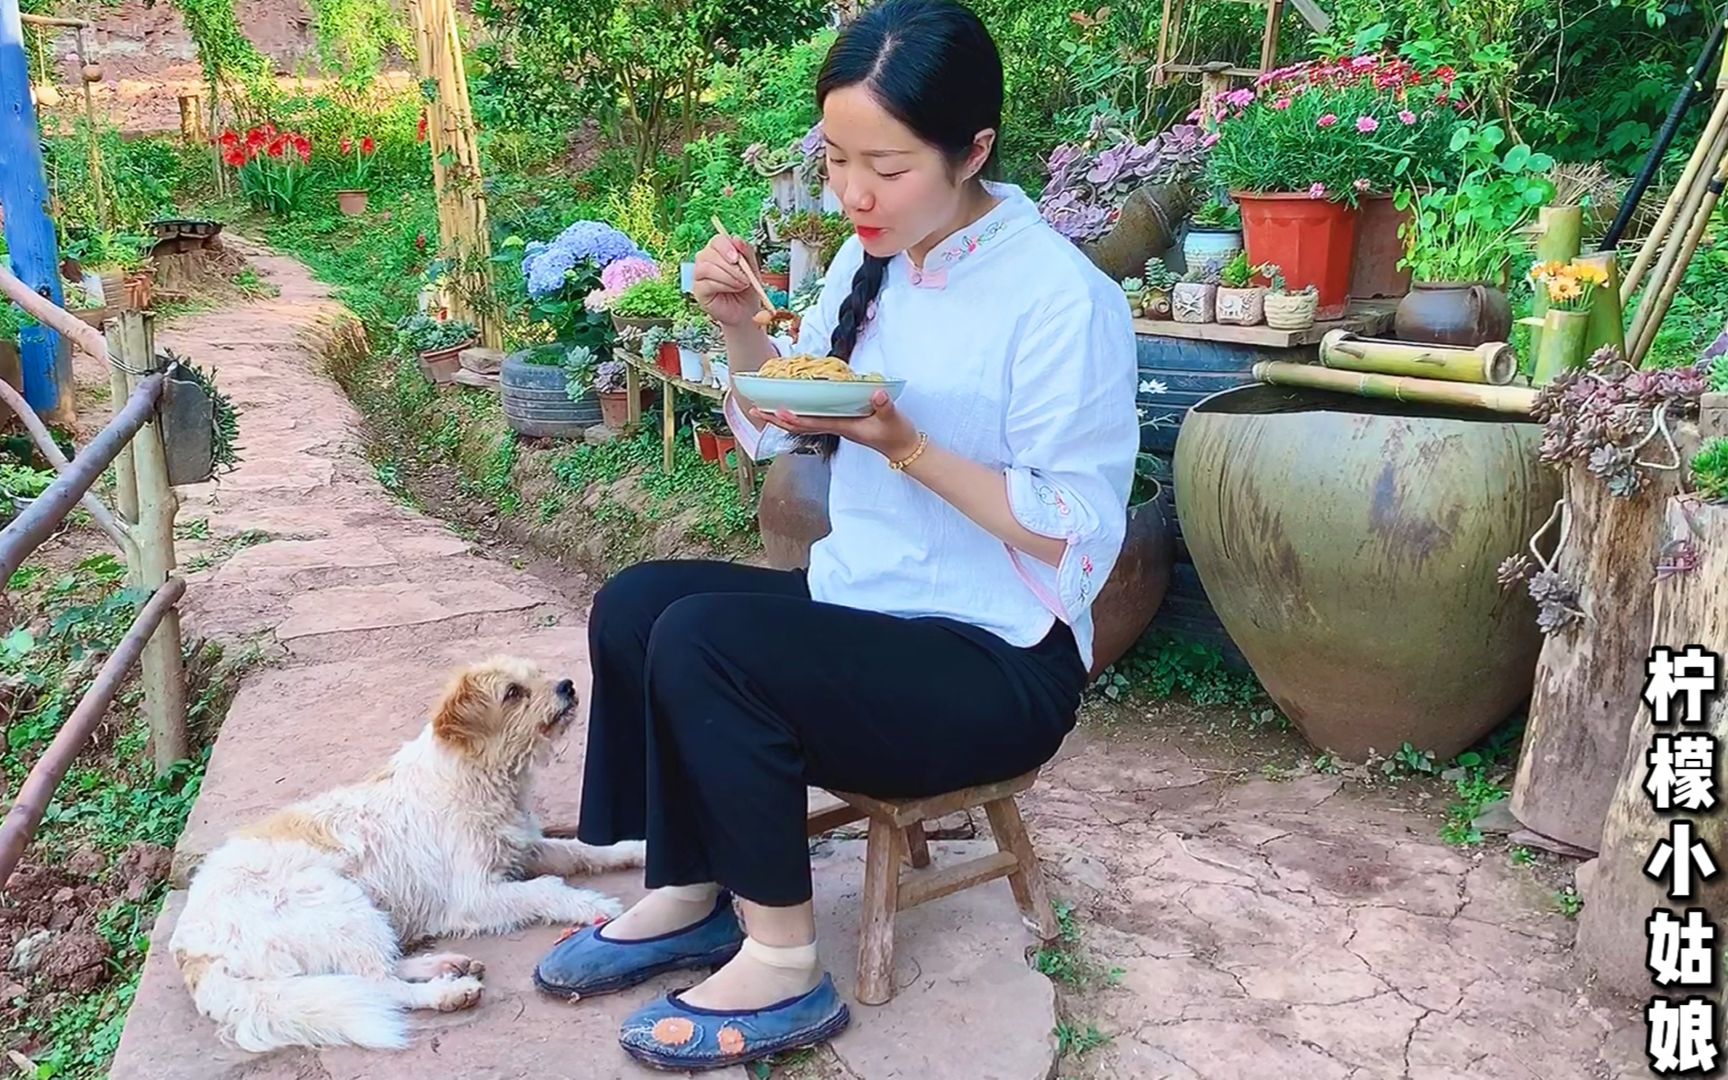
[(724, 443), (707, 444), (441, 365), (1291, 311), (140, 290), (778, 279), (352, 203), (1241, 307), (615, 407), (1193, 302), (666, 358)]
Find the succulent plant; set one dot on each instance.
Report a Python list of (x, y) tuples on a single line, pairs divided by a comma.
[(1089, 181), (1236, 274), (1158, 276)]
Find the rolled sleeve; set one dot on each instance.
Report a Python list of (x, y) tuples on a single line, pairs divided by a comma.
[(1073, 433)]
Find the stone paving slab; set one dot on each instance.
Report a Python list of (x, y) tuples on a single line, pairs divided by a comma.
[(967, 1006)]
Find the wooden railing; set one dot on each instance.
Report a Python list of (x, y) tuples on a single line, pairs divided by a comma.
[(141, 526)]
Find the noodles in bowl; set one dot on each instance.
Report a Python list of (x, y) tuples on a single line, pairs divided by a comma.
[(814, 386), (828, 368)]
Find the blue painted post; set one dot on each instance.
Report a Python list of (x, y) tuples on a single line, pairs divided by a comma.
[(29, 233)]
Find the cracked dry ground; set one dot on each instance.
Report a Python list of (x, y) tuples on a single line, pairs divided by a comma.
[(1312, 928)]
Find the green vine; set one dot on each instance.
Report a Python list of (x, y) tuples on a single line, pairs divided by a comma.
[(355, 35), (232, 66)]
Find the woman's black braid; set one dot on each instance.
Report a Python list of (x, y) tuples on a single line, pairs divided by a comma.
[(854, 311)]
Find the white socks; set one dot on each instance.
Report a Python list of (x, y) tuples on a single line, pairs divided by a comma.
[(760, 975), (663, 911)]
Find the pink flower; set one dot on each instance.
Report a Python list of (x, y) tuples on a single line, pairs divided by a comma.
[(1366, 124), (1208, 139), (1362, 63), (1317, 190), (1406, 117), (1361, 183), (1327, 121), (1239, 98), (1281, 103)]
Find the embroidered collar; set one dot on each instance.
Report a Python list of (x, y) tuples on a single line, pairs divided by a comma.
[(1012, 212)]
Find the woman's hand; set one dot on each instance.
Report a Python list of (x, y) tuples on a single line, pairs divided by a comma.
[(886, 430), (721, 287)]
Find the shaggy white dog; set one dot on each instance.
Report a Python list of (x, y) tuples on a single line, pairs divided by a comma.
[(293, 929)]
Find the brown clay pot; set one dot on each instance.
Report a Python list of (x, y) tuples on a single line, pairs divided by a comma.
[(1453, 313), (442, 365), (615, 408), (778, 279), (1374, 273), (1146, 228), (352, 203), (793, 515)]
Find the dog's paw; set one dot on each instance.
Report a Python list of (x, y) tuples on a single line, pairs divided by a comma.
[(628, 854), (439, 966), (455, 993), (587, 907)]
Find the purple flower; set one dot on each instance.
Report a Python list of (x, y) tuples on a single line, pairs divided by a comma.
[(1406, 117), (1327, 121), (547, 266), (1366, 124), (1317, 190)]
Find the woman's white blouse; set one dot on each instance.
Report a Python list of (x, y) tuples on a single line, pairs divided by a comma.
[(1019, 354)]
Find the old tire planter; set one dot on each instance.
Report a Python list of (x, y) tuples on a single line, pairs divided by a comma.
[(1349, 546), (792, 514), (535, 402)]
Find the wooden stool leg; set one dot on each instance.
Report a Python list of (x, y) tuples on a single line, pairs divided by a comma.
[(881, 902), (1028, 881), (918, 845)]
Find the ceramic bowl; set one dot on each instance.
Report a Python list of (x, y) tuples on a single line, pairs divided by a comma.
[(814, 397)]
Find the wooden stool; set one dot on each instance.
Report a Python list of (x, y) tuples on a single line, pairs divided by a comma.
[(896, 831)]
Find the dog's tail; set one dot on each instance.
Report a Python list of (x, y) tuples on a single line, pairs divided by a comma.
[(261, 1015)]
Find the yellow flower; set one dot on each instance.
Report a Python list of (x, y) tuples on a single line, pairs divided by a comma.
[(1566, 289)]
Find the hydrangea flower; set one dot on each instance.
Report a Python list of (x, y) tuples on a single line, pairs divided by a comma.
[(627, 272), (546, 265)]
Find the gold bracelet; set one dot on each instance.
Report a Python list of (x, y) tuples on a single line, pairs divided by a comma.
[(900, 466)]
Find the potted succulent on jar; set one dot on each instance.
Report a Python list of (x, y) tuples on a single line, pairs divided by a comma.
[(1286, 310), (612, 387), (1240, 301), (660, 348), (1135, 290), (1195, 296), (1160, 283), (438, 343), (1214, 234)]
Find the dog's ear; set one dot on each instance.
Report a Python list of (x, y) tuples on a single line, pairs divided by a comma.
[(460, 722)]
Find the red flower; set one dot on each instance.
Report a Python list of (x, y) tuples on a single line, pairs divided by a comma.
[(234, 156), (420, 241), (255, 139), (367, 146), (303, 147), (229, 139), (347, 145), (276, 147), (420, 133), (1445, 74)]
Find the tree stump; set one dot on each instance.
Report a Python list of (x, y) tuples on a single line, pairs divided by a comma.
[(1589, 675), (1689, 608)]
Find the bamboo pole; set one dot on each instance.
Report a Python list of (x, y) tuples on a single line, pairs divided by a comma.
[(1558, 231), (1707, 139), (96, 181), (1494, 362), (1652, 309), (164, 673), (1690, 201), (1507, 399)]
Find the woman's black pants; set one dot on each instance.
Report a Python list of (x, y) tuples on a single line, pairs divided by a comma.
[(722, 691)]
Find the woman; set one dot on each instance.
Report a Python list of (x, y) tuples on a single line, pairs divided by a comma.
[(941, 636)]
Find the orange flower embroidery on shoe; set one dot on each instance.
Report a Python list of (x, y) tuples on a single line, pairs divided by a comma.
[(674, 1031), (731, 1040), (569, 931)]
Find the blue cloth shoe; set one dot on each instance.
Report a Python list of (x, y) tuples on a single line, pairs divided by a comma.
[(671, 1035), (586, 963)]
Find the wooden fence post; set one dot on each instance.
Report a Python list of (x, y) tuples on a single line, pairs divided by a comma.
[(132, 342)]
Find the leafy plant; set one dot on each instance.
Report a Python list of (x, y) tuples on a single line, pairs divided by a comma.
[(225, 449), (1467, 232), (421, 333), (655, 298), (1237, 274), (779, 261), (1710, 470), (360, 169), (1219, 214), (1159, 276)]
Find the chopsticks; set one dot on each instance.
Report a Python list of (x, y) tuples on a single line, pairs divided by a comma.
[(749, 271)]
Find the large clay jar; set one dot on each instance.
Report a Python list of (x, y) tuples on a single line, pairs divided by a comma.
[(793, 514), (1349, 546), (1453, 313), (1146, 228)]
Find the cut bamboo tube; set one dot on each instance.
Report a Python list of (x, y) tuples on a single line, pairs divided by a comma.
[(1494, 363), (1517, 400), (1655, 307), (1688, 213), (1607, 317), (1695, 166), (1558, 229), (1562, 344)]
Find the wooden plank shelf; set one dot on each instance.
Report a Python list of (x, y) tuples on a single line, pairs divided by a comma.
[(635, 368), (1371, 318)]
